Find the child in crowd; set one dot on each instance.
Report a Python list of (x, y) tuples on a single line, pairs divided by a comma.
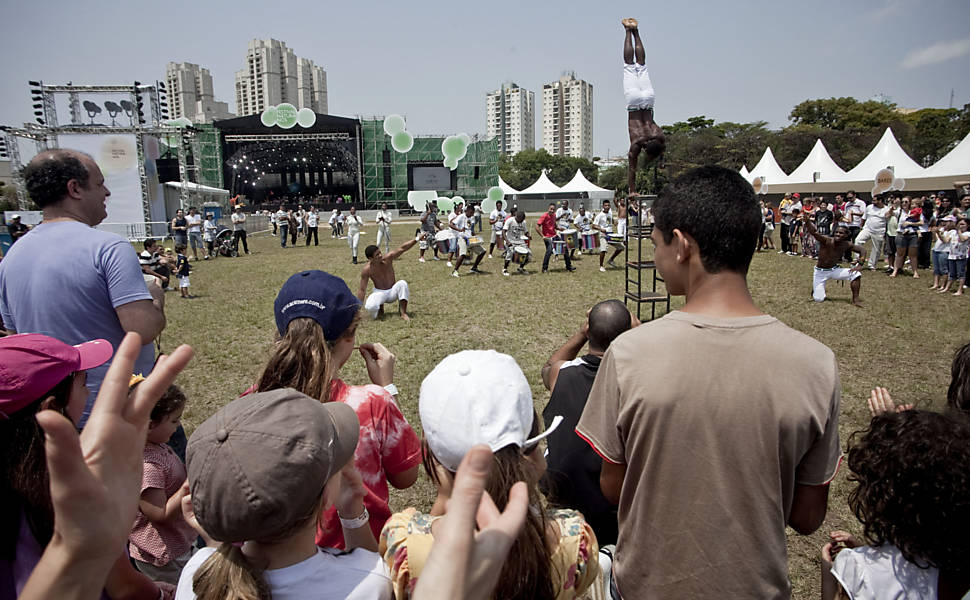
[(39, 373), (913, 499), (795, 231), (161, 541), (317, 318), (941, 254), (182, 268), (209, 229), (461, 404), (959, 239), (261, 471)]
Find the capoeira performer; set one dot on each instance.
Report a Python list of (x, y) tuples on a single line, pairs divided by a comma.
[(354, 223), (645, 134), (384, 227), (461, 226), (516, 234), (830, 250), (430, 225), (603, 223), (497, 220), (380, 270)]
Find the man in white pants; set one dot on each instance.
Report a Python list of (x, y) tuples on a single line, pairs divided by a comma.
[(380, 269), (354, 223), (497, 220), (644, 132), (874, 228), (384, 228)]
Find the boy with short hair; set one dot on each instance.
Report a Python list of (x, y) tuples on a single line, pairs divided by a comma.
[(182, 269), (161, 541)]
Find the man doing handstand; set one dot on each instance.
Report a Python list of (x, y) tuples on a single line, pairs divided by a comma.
[(645, 134), (380, 269), (830, 250)]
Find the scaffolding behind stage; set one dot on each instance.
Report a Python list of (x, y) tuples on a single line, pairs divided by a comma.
[(385, 175)]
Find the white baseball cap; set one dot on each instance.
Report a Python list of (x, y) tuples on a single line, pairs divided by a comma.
[(476, 397)]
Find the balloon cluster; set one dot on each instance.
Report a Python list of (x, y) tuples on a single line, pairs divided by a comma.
[(454, 148), (886, 181), (495, 194), (759, 185), (286, 115), (401, 140)]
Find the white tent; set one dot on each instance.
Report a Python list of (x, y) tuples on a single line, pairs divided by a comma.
[(769, 170), (745, 173), (508, 189), (955, 164), (817, 161), (579, 185), (887, 153), (542, 185)]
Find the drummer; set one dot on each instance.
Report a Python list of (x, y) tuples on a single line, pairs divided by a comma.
[(549, 229), (603, 223), (497, 220), (564, 220), (430, 225), (516, 237), (583, 223), (461, 225)]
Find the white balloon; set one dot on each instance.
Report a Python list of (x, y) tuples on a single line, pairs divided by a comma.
[(394, 124), (899, 184)]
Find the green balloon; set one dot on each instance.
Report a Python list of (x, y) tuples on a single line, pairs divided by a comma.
[(269, 116), (445, 205), (488, 205), (452, 147), (286, 115), (465, 138), (495, 193), (402, 141), (393, 124), (451, 163)]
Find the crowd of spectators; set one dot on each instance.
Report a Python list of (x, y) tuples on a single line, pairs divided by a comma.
[(664, 470)]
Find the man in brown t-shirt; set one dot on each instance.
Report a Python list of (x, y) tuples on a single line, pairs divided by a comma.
[(707, 457)]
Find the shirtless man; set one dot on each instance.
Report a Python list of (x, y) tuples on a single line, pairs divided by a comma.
[(645, 134), (380, 270), (830, 250)]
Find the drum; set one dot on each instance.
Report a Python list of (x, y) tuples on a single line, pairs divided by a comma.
[(615, 240), (444, 239), (475, 245), (570, 236), (591, 241), (475, 240), (520, 254)]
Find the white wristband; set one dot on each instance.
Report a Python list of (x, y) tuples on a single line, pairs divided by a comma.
[(355, 523), (391, 389)]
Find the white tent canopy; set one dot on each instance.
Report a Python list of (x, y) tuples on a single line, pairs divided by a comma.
[(508, 189), (956, 163), (579, 183), (768, 169), (542, 185), (817, 161), (744, 172), (887, 153)]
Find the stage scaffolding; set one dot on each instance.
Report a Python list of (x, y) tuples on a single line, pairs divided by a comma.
[(385, 174)]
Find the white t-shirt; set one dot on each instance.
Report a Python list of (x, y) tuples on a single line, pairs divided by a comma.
[(959, 243), (876, 573), (209, 233), (333, 218), (604, 220), (564, 217), (499, 217), (329, 574), (460, 225), (311, 219), (856, 210), (353, 224), (876, 219), (387, 218), (238, 221), (281, 217), (582, 222), (195, 223), (515, 232)]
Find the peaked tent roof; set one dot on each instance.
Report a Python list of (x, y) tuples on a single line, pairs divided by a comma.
[(508, 189), (579, 183), (769, 169), (887, 152), (542, 185), (744, 172), (956, 163), (817, 161)]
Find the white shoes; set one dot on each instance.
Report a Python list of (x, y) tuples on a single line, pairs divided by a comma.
[(505, 272), (449, 264), (421, 259), (454, 273), (603, 269)]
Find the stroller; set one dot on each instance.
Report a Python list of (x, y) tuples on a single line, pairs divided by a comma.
[(223, 242)]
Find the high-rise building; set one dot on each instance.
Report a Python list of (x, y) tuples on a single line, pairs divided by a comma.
[(274, 74), (189, 90), (567, 117), (510, 116)]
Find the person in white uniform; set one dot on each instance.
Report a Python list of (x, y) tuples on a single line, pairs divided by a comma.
[(645, 134), (384, 228), (354, 223)]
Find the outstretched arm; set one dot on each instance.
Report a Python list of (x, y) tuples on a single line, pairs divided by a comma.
[(393, 254), (810, 228)]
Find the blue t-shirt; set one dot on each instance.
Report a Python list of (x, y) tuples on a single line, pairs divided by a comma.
[(65, 280)]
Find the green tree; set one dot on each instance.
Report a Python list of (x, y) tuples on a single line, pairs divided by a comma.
[(844, 113), (522, 169)]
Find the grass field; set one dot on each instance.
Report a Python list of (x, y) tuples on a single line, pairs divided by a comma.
[(902, 339)]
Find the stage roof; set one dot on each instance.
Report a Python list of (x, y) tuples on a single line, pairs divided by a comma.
[(252, 125)]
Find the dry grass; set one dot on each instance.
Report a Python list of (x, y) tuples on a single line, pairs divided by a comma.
[(903, 339)]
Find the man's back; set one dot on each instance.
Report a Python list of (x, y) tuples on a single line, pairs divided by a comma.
[(713, 446), (65, 280)]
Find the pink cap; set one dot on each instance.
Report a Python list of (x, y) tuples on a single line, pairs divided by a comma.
[(31, 365)]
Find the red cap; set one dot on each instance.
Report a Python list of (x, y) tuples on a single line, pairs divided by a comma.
[(796, 195), (31, 365)]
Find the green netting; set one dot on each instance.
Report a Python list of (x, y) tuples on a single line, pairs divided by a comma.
[(385, 173)]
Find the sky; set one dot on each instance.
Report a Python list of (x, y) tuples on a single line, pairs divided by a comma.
[(434, 61)]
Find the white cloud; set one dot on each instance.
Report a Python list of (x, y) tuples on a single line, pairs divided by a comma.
[(937, 53)]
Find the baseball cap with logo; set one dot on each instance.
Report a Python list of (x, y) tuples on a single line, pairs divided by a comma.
[(320, 296), (476, 397), (260, 463), (31, 364)]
